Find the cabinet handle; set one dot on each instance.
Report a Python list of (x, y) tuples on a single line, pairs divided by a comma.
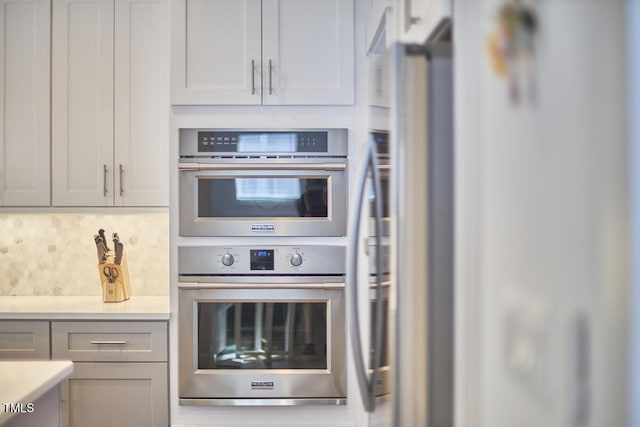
[(253, 77), (270, 81), (104, 180), (409, 19), (110, 342), (121, 186)]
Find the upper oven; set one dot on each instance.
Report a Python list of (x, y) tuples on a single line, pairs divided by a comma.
[(257, 182)]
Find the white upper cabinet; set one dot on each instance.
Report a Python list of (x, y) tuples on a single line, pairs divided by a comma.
[(423, 20), (109, 130), (307, 52), (141, 104), (216, 52), (263, 52), (24, 102), (82, 128)]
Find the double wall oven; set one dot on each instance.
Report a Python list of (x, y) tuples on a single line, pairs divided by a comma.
[(262, 324)]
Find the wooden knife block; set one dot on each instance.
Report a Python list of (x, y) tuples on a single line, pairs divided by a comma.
[(120, 289)]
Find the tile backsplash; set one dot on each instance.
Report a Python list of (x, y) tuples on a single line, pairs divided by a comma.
[(55, 254)]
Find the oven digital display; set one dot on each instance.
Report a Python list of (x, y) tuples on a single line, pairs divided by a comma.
[(262, 259), (263, 142)]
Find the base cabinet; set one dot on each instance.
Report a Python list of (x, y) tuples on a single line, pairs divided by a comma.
[(120, 375), (115, 394), (24, 340)]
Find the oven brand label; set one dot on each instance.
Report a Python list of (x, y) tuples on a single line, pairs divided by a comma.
[(262, 385), (263, 228)]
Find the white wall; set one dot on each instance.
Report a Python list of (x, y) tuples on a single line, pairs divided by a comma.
[(542, 220)]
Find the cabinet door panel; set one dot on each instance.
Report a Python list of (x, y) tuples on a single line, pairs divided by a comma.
[(425, 20), (310, 44), (109, 341), (214, 44), (82, 128), (116, 394), (141, 100), (24, 340), (24, 102)]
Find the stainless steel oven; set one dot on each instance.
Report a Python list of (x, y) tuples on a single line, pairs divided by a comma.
[(261, 325), (263, 182)]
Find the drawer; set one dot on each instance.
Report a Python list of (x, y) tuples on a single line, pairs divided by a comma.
[(24, 339), (109, 341)]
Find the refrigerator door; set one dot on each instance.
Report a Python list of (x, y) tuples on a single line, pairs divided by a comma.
[(422, 235)]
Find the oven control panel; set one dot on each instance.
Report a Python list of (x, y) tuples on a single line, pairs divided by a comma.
[(262, 142), (205, 144), (261, 260)]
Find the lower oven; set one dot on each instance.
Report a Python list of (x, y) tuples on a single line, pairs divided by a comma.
[(261, 325)]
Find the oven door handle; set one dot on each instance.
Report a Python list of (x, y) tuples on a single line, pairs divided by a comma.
[(327, 166), (204, 285)]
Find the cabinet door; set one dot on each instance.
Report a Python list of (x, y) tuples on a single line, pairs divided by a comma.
[(24, 102), (424, 20), (115, 394), (310, 46), (82, 92), (141, 99), (216, 52), (24, 339)]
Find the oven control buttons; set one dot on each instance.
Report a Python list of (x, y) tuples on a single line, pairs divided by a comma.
[(227, 259), (296, 259)]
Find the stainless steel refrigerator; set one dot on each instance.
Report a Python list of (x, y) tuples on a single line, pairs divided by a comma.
[(405, 366)]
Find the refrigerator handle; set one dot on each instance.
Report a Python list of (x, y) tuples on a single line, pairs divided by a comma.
[(352, 283), (377, 335)]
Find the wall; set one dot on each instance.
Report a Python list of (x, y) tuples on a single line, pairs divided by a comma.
[(55, 254)]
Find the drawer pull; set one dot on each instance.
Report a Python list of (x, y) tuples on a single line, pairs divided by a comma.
[(109, 342)]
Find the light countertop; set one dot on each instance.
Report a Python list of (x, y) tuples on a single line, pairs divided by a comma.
[(83, 308), (25, 381)]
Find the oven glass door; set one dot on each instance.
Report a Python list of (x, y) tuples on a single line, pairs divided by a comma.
[(278, 202), (261, 343), (263, 197), (383, 382), (262, 335)]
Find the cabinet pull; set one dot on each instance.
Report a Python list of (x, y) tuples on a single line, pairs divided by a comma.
[(270, 81), (253, 77), (121, 185), (110, 342), (409, 19), (104, 180)]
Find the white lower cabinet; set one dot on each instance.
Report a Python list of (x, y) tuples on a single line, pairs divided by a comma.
[(115, 394), (120, 375), (24, 340)]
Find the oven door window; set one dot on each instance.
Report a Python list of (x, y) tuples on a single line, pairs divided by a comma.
[(384, 193), (262, 197), (262, 335)]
